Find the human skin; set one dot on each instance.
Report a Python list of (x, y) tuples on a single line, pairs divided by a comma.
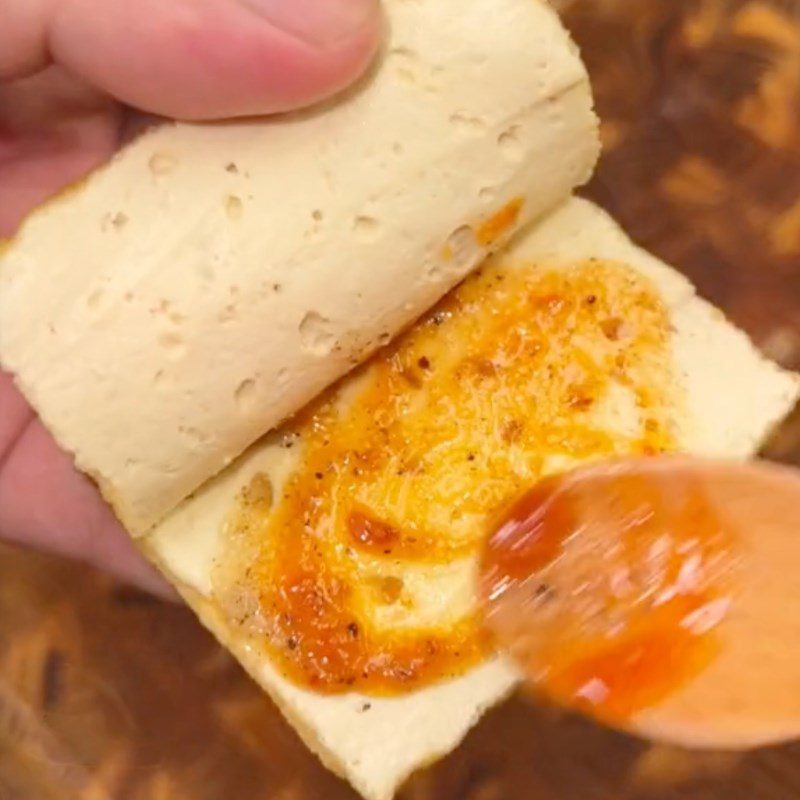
[(71, 71)]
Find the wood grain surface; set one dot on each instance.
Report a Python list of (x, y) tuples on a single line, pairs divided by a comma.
[(105, 693)]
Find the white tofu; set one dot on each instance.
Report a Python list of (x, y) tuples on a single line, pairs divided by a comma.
[(213, 278)]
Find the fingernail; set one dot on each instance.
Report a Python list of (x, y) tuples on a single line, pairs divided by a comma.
[(318, 22)]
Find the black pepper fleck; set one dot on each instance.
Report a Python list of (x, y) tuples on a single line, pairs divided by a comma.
[(544, 592)]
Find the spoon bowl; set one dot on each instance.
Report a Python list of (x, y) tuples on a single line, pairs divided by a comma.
[(658, 595)]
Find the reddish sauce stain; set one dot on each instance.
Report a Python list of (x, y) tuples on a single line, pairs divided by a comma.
[(609, 591), (635, 670), (331, 649), (491, 229), (371, 533)]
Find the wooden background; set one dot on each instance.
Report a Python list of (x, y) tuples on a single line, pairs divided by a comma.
[(105, 693)]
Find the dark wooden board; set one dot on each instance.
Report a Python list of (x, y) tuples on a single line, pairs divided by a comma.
[(105, 693)]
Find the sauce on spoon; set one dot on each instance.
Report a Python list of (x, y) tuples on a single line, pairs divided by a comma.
[(656, 595)]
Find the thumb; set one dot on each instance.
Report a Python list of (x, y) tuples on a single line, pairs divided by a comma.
[(195, 59)]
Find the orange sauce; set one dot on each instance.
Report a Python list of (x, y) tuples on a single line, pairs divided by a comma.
[(610, 593), (491, 229), (359, 574)]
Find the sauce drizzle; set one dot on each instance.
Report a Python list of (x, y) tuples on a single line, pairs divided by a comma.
[(361, 573)]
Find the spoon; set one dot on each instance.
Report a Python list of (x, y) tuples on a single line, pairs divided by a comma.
[(658, 595)]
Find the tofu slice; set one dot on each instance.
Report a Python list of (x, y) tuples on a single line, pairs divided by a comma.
[(732, 397), (213, 278)]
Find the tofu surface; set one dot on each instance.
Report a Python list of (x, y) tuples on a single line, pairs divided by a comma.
[(213, 278)]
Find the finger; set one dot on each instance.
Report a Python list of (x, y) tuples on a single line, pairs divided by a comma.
[(45, 503), (53, 130), (196, 59), (15, 415)]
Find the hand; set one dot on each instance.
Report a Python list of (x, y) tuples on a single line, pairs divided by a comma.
[(70, 70)]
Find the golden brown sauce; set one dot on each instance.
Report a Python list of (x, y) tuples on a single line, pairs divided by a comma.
[(609, 591), (490, 230), (361, 574)]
